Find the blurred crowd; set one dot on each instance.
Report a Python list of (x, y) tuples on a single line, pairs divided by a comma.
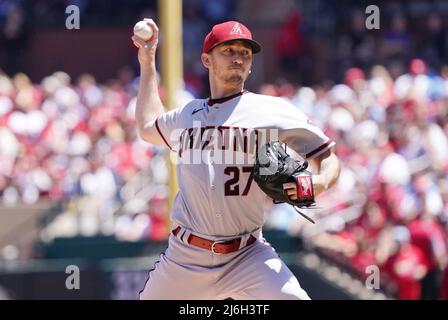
[(75, 141), (391, 136), (311, 42), (407, 29)]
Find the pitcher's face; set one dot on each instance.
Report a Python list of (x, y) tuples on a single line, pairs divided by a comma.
[(230, 62)]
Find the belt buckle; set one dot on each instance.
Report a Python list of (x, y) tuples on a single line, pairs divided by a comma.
[(213, 247)]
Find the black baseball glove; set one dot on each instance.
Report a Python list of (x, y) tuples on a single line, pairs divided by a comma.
[(274, 167)]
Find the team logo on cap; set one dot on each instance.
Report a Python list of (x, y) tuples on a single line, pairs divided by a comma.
[(237, 30)]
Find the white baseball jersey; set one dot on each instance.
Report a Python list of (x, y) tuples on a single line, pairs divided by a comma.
[(216, 146)]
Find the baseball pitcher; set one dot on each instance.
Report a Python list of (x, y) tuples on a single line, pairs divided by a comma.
[(216, 248)]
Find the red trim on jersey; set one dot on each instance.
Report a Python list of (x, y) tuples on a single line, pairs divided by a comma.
[(160, 132), (319, 149)]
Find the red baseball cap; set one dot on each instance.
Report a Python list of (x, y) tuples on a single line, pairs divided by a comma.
[(228, 31)]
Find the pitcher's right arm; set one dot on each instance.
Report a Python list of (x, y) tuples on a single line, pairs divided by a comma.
[(149, 106)]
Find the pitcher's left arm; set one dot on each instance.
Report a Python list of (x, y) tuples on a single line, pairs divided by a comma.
[(328, 168)]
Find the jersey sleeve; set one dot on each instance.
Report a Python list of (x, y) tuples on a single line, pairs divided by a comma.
[(300, 134), (167, 125)]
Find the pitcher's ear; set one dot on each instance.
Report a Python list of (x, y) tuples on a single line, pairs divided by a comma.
[(205, 58)]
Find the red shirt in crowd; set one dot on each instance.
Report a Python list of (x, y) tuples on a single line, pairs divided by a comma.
[(405, 269), (428, 236)]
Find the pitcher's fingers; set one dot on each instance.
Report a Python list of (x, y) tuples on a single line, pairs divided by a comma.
[(154, 28), (136, 44), (289, 185), (152, 24), (139, 40)]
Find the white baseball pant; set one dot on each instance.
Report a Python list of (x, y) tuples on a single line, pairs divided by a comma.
[(186, 272)]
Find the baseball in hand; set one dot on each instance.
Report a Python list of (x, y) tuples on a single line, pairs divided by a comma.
[(142, 30)]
